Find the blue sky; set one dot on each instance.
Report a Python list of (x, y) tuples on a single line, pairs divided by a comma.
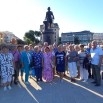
[(19, 16)]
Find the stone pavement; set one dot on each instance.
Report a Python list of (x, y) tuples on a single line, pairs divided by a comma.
[(55, 92)]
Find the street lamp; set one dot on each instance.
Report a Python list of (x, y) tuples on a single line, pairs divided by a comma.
[(73, 38)]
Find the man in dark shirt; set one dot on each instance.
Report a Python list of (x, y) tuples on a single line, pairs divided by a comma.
[(89, 65)]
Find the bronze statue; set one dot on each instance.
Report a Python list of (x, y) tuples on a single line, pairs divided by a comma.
[(49, 17)]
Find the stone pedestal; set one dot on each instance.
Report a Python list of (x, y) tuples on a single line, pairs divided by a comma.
[(48, 34)]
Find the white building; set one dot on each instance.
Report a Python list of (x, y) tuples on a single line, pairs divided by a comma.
[(56, 32), (84, 37), (98, 37)]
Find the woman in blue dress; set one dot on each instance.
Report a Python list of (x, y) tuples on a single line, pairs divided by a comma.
[(60, 58), (37, 60)]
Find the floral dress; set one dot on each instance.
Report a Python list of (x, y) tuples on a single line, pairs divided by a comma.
[(6, 63), (48, 71)]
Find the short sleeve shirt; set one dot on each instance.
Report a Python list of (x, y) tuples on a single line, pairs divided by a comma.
[(95, 55), (37, 58), (71, 55), (60, 58), (82, 55)]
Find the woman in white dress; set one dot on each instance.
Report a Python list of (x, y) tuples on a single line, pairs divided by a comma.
[(72, 57), (7, 67), (83, 70)]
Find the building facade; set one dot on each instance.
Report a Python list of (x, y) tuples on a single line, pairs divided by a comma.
[(6, 37), (55, 28), (84, 37), (98, 37)]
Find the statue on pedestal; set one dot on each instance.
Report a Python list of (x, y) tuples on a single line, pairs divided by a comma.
[(48, 33)]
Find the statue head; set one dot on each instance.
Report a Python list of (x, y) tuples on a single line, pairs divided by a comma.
[(48, 9)]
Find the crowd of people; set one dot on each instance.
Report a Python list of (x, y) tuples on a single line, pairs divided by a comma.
[(46, 61)]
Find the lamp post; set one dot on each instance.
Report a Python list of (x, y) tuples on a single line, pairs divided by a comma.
[(73, 38)]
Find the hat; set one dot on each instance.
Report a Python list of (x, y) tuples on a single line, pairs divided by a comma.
[(48, 8)]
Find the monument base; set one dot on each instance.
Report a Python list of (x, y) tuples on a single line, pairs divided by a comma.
[(48, 36)]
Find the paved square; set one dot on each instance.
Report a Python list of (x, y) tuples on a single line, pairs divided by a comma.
[(55, 92)]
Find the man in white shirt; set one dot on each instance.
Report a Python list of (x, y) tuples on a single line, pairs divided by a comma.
[(96, 60)]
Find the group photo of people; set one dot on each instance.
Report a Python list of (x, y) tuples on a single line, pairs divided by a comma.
[(44, 62)]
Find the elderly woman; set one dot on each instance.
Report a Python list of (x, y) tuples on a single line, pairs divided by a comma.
[(47, 65), (7, 67), (16, 56), (37, 61), (26, 60), (72, 57), (77, 49), (83, 69), (60, 61)]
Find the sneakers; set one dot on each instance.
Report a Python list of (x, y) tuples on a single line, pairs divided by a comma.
[(9, 87), (84, 80), (5, 88)]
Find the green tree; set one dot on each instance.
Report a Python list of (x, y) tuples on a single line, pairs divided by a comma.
[(59, 42), (76, 40), (32, 36), (27, 40), (19, 41)]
